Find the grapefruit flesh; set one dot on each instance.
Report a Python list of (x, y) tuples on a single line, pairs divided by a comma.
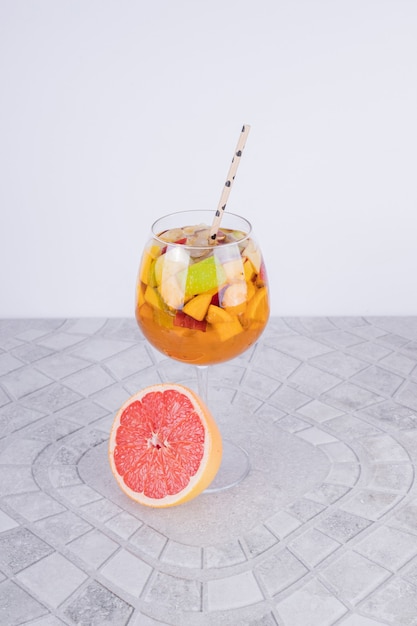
[(164, 447)]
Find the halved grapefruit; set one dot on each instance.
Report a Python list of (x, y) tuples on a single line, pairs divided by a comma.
[(165, 447)]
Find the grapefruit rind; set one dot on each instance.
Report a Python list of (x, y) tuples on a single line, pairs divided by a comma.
[(210, 462)]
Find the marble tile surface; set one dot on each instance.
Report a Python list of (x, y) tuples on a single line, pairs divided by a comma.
[(322, 532)]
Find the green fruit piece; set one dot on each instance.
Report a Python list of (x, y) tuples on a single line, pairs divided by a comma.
[(204, 276)]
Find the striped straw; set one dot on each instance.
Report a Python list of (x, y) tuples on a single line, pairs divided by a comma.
[(229, 182)]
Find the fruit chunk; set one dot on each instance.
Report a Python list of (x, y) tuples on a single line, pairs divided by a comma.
[(152, 297), (203, 276), (227, 330), (170, 264), (235, 295), (225, 324), (262, 277), (251, 291), (181, 241), (151, 314), (258, 308), (172, 235), (248, 270), (164, 446), (146, 268), (217, 315), (197, 306), (234, 270), (186, 321), (253, 253), (140, 291), (172, 292)]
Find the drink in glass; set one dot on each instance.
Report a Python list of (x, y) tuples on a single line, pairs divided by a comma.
[(198, 302)]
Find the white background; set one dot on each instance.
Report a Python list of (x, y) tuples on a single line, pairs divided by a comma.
[(113, 112)]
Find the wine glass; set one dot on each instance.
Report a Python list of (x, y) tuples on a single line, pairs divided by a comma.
[(203, 303)]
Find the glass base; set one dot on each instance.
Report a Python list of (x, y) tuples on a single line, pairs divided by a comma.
[(235, 466)]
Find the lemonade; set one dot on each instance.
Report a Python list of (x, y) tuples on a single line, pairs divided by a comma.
[(198, 302)]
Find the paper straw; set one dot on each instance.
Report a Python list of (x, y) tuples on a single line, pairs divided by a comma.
[(229, 182)]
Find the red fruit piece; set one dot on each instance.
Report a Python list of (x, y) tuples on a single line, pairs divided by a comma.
[(186, 321), (181, 241), (262, 273)]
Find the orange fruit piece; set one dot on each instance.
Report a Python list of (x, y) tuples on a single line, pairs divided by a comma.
[(216, 315), (197, 306), (165, 447), (227, 330), (257, 308)]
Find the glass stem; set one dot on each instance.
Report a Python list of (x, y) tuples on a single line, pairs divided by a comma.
[(202, 382)]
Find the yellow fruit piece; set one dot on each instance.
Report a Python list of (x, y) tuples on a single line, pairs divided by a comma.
[(258, 307), (197, 306), (251, 291), (239, 309), (148, 314), (159, 265), (163, 318), (152, 297), (145, 312), (140, 291), (217, 315), (227, 330), (149, 257), (248, 270)]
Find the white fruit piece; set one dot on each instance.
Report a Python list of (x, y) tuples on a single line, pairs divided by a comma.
[(253, 253), (169, 268), (172, 235), (171, 263), (234, 270), (172, 292), (235, 294)]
